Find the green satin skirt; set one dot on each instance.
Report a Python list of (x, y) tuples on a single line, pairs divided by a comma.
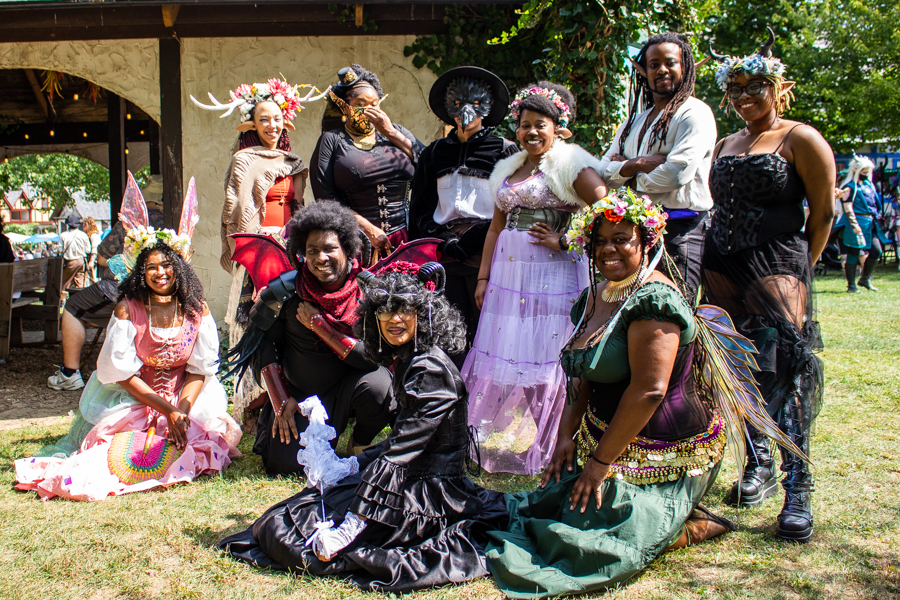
[(548, 550)]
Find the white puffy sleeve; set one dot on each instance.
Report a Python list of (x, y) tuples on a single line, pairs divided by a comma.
[(204, 359), (118, 358)]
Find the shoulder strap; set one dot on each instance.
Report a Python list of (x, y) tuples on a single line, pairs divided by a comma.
[(786, 136)]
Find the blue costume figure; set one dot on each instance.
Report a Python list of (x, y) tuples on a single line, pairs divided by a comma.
[(862, 205)]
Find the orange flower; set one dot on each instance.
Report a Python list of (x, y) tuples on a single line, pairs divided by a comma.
[(611, 216)]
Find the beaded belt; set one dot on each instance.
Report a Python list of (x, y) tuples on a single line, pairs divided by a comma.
[(523, 218), (653, 461)]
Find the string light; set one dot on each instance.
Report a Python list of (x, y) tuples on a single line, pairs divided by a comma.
[(52, 133), (75, 97), (128, 116), (84, 134), (26, 136), (142, 132), (126, 150)]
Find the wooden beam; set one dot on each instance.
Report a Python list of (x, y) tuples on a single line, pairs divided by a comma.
[(118, 165), (359, 14), (170, 13), (170, 129), (38, 94)]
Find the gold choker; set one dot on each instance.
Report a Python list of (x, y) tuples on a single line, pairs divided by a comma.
[(616, 291)]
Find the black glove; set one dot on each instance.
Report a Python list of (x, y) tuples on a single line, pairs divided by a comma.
[(451, 249)]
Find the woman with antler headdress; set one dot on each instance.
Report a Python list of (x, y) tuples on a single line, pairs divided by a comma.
[(153, 413), (264, 186), (757, 265)]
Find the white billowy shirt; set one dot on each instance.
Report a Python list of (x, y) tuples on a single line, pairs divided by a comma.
[(75, 244), (463, 197), (683, 180)]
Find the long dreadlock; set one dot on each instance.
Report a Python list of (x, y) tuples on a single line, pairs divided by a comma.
[(643, 95)]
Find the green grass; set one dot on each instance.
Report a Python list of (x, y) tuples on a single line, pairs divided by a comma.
[(163, 544)]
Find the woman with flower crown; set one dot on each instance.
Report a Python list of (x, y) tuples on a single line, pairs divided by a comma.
[(757, 265), (527, 284), (153, 413), (642, 434), (264, 186)]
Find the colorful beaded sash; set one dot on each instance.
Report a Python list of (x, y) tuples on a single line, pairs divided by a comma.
[(135, 456), (653, 461)]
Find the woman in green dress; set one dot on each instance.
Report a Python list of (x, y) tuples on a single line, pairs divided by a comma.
[(649, 434)]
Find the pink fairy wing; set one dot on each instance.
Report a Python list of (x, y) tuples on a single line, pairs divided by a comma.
[(134, 210), (190, 211)]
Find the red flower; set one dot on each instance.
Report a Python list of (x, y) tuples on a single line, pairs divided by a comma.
[(611, 216)]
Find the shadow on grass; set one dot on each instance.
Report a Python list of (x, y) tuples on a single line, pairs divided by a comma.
[(209, 537), (23, 448)]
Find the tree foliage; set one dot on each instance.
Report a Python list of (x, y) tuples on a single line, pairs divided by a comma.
[(57, 176), (843, 54), (581, 44)]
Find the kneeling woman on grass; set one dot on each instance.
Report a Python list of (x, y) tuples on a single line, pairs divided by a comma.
[(653, 388), (153, 413), (411, 518)]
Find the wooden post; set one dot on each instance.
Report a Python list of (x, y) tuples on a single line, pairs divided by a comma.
[(153, 137), (115, 117), (170, 128)]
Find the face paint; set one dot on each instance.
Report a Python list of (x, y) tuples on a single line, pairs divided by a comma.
[(357, 117), (467, 99)]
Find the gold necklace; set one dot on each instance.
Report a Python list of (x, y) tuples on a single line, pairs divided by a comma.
[(616, 291), (537, 167)]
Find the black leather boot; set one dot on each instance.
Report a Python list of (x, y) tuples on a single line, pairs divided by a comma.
[(865, 280), (795, 523), (850, 274), (759, 481)]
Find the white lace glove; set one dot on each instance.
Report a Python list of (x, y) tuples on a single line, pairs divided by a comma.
[(330, 541)]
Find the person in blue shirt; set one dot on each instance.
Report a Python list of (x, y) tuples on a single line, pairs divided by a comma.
[(862, 205)]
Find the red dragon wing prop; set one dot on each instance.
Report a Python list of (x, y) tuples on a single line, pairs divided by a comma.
[(263, 256), (418, 251)]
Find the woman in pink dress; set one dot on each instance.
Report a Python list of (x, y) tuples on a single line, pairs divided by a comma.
[(528, 284), (156, 374)]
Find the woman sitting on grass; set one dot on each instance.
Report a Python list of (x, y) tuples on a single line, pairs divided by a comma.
[(156, 373)]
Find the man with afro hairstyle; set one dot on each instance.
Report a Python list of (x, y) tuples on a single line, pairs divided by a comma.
[(664, 148), (300, 342)]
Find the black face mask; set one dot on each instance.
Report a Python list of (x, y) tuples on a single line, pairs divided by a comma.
[(467, 99)]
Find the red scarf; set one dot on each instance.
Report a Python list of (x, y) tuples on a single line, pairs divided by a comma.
[(339, 307)]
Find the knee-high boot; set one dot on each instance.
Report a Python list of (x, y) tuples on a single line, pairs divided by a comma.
[(865, 280), (759, 481), (850, 274), (795, 523)]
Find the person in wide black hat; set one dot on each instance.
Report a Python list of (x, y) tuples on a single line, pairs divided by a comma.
[(450, 197)]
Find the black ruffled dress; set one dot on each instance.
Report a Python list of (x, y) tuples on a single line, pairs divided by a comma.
[(426, 520)]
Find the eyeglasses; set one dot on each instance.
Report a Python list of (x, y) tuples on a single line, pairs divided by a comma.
[(384, 314), (166, 266), (754, 88)]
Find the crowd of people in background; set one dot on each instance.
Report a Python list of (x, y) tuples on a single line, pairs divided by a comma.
[(561, 331)]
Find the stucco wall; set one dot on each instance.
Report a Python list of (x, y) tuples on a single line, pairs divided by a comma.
[(130, 68)]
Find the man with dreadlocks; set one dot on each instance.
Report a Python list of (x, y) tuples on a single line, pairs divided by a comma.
[(665, 146), (451, 197)]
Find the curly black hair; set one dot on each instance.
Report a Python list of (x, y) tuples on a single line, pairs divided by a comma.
[(346, 93), (323, 215), (188, 290), (439, 323), (643, 95), (545, 106)]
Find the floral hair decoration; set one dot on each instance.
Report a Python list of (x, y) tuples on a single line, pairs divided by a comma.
[(760, 62), (141, 235), (565, 113), (617, 205), (247, 96)]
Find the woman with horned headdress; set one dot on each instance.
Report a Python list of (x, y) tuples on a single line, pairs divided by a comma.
[(367, 164), (859, 223), (757, 265), (153, 413), (410, 518), (264, 186)]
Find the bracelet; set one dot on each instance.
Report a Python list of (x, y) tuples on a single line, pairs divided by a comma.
[(562, 243), (605, 464), (484, 279)]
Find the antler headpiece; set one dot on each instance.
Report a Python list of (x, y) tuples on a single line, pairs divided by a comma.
[(247, 96)]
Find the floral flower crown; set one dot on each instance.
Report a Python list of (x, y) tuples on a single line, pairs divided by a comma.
[(617, 205), (752, 64), (247, 96), (141, 238), (565, 112)]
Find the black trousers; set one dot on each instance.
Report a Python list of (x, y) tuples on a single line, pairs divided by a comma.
[(367, 397), (462, 280), (684, 243)]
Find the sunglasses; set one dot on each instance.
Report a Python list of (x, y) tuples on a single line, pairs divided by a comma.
[(407, 313), (753, 89)]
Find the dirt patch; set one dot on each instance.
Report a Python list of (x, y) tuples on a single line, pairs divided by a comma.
[(24, 396)]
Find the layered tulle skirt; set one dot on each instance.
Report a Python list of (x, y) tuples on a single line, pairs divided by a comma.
[(516, 386)]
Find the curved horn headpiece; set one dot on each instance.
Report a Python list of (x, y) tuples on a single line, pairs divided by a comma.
[(766, 49)]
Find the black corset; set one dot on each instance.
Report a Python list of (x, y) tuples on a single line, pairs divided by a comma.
[(757, 196)]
